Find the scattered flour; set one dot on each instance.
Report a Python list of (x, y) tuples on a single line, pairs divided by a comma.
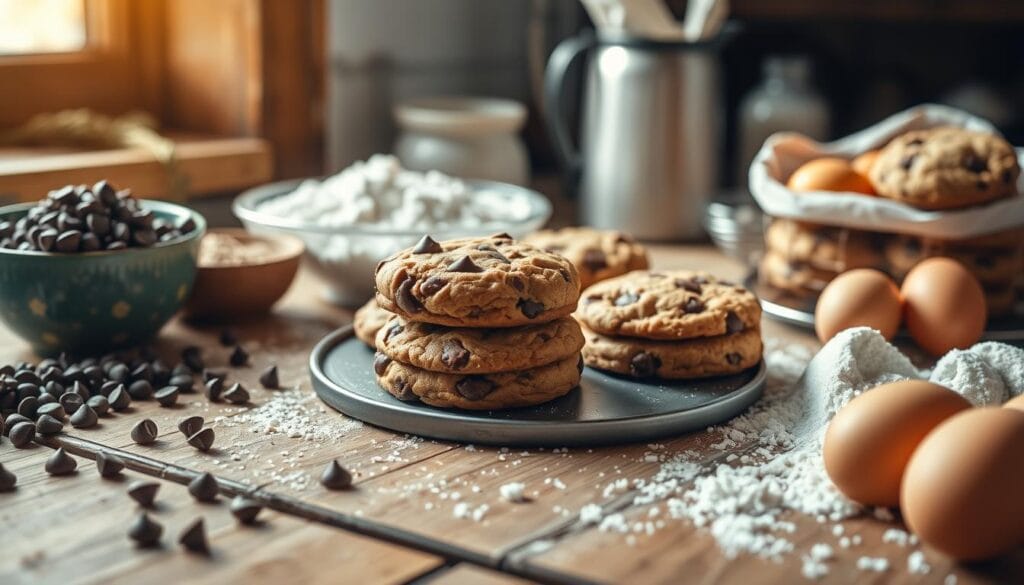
[(513, 491), (917, 565), (875, 564), (295, 414)]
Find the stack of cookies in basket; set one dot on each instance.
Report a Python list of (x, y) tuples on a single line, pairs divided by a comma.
[(803, 257), (480, 323), (674, 324)]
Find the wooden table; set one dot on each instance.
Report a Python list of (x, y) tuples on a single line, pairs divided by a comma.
[(397, 525)]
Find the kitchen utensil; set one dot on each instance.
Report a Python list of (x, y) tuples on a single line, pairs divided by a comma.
[(88, 302), (736, 226), (603, 410), (649, 151), (704, 19)]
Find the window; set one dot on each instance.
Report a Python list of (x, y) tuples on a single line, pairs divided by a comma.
[(42, 26)]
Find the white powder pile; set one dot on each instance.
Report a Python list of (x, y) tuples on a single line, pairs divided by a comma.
[(969, 374), (513, 491), (295, 414)]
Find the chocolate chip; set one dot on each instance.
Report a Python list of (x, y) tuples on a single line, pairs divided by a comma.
[(644, 364), (8, 481), (501, 236), (143, 492), (427, 245), (245, 510), (204, 488), (119, 398), (530, 309), (733, 324), (454, 354), (404, 298), (193, 537), (1007, 176), (60, 463), (236, 394), (192, 357), (144, 432), (626, 298), (565, 274), (84, 417), (167, 396), (975, 163), (517, 283), (47, 425), (431, 286), (464, 264), (908, 161), (22, 433), (144, 531), (28, 406), (228, 338), (689, 284), (594, 260), (401, 390), (381, 363), (202, 439), (269, 379), (239, 357), (693, 305), (190, 425), (733, 358), (335, 477), (52, 408), (108, 465), (474, 387), (140, 390)]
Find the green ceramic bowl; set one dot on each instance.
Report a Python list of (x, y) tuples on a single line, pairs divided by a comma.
[(91, 302)]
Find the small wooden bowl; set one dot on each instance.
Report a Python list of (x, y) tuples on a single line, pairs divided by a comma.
[(232, 292)]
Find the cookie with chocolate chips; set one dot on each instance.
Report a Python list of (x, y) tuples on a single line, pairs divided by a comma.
[(479, 351), (671, 304), (597, 254), (477, 282), (478, 391), (368, 320), (946, 168), (684, 359)]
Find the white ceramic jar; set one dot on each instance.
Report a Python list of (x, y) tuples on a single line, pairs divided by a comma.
[(466, 137)]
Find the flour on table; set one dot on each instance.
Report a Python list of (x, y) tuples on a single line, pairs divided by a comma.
[(967, 373)]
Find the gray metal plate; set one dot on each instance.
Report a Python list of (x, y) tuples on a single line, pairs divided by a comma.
[(787, 308), (604, 409)]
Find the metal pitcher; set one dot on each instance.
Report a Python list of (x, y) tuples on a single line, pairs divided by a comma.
[(650, 137)]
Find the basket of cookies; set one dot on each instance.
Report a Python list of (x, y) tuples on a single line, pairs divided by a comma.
[(927, 182)]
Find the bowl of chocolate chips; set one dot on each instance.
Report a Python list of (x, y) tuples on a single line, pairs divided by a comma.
[(90, 268)]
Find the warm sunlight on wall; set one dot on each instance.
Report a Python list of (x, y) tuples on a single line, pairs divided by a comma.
[(41, 26)]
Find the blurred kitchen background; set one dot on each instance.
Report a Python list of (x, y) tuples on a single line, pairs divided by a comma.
[(249, 91)]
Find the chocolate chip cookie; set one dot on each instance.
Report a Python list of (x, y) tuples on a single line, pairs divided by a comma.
[(824, 247), (368, 320), (477, 282), (597, 254), (671, 304), (794, 276), (479, 351), (946, 168), (478, 391), (692, 358)]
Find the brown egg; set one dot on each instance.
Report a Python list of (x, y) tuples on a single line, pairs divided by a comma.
[(1017, 403), (962, 489), (861, 297), (829, 174), (869, 441), (863, 163), (944, 306)]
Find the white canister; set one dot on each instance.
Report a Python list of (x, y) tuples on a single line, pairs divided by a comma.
[(467, 137)]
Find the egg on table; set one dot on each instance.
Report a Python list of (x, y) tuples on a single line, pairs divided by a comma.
[(944, 306), (858, 298), (961, 491), (829, 174), (869, 441)]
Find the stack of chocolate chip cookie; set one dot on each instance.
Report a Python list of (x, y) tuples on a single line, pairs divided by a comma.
[(481, 323), (597, 254), (802, 257), (671, 324)]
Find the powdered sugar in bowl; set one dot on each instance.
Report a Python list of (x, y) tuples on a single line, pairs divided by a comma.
[(352, 220)]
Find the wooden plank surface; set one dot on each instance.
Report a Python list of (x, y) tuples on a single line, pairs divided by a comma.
[(441, 495)]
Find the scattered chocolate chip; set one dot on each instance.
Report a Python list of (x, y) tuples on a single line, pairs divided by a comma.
[(733, 358), (689, 284), (464, 264), (380, 363), (119, 398), (530, 309), (8, 481), (594, 259), (644, 364), (167, 396), (733, 324), (228, 338), (99, 404), (192, 357), (28, 406), (204, 487), (202, 439), (626, 298), (22, 433), (404, 298), (236, 394), (108, 465), (474, 387), (269, 379), (335, 477), (427, 245), (140, 390), (213, 388), (244, 509), (190, 425), (454, 354), (143, 492), (53, 409), (145, 531), (47, 425), (432, 285), (84, 417), (144, 432), (13, 419), (60, 463), (193, 537), (239, 357), (693, 305)]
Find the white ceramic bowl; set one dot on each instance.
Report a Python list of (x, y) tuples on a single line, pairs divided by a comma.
[(345, 257)]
